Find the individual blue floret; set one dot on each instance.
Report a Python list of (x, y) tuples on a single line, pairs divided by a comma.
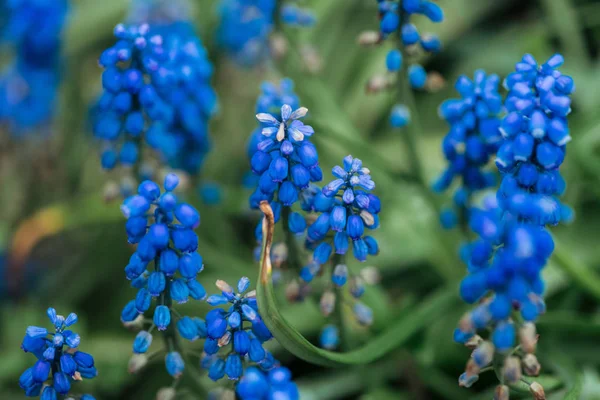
[(59, 363)]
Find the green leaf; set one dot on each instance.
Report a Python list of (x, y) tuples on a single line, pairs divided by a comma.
[(580, 273), (293, 341)]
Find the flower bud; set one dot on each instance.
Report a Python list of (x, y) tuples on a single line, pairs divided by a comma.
[(512, 369), (368, 38), (537, 391), (467, 381), (166, 393), (279, 254), (377, 83), (279, 46), (224, 286), (435, 82), (367, 217), (472, 368), (528, 337), (225, 339), (473, 342), (483, 354), (370, 275), (501, 392), (313, 62), (531, 365), (292, 291), (136, 363), (136, 324), (110, 191), (327, 303)]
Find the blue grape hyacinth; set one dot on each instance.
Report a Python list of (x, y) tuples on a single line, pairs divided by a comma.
[(473, 138), (29, 85), (505, 264), (59, 363), (235, 338), (285, 159), (169, 244), (352, 210), (157, 90)]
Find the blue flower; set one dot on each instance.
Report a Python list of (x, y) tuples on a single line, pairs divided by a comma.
[(260, 385), (353, 208), (54, 361), (28, 86), (473, 138), (156, 83), (169, 242), (240, 330), (509, 279)]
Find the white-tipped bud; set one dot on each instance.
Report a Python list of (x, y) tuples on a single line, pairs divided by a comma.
[(135, 325), (531, 365), (250, 295), (224, 286), (467, 381), (327, 303), (313, 62), (368, 38), (473, 342), (110, 191), (279, 254), (136, 363), (512, 369), (537, 391), (435, 82), (528, 337), (501, 392), (292, 291), (483, 354), (367, 217), (370, 275), (279, 46), (225, 339), (166, 393)]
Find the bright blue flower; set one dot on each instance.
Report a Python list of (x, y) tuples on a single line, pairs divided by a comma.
[(174, 364), (400, 116), (329, 337), (53, 360), (393, 60), (29, 85), (156, 84), (534, 134), (259, 385), (474, 136)]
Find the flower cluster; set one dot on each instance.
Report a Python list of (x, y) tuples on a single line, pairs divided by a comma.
[(171, 247), (285, 159), (29, 85), (156, 83), (240, 330), (245, 27), (535, 132), (58, 359), (353, 209), (474, 136)]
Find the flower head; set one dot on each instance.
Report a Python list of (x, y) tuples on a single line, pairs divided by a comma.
[(58, 358)]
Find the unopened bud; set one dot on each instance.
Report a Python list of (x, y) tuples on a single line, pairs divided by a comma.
[(127, 185), (368, 38), (367, 217), (483, 354), (357, 286), (279, 46), (467, 381), (327, 303), (363, 314), (225, 339), (473, 342), (528, 337), (292, 291), (312, 59), (435, 82), (110, 191), (250, 295), (466, 324), (412, 50), (501, 392), (224, 286), (77, 376), (136, 363), (135, 325), (537, 391), (512, 369), (279, 254), (377, 83), (472, 368), (370, 275), (531, 365), (166, 393)]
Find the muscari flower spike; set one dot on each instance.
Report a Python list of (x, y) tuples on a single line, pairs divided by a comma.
[(59, 362), (473, 138), (156, 83), (235, 338), (28, 86), (170, 244), (285, 160), (505, 264)]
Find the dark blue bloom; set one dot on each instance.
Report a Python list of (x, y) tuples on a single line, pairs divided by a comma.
[(174, 364), (28, 86), (508, 279), (156, 84), (53, 360), (474, 136)]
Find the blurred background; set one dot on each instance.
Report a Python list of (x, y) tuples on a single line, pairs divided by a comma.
[(62, 237)]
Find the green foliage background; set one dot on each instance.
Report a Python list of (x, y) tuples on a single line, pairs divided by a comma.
[(79, 265)]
